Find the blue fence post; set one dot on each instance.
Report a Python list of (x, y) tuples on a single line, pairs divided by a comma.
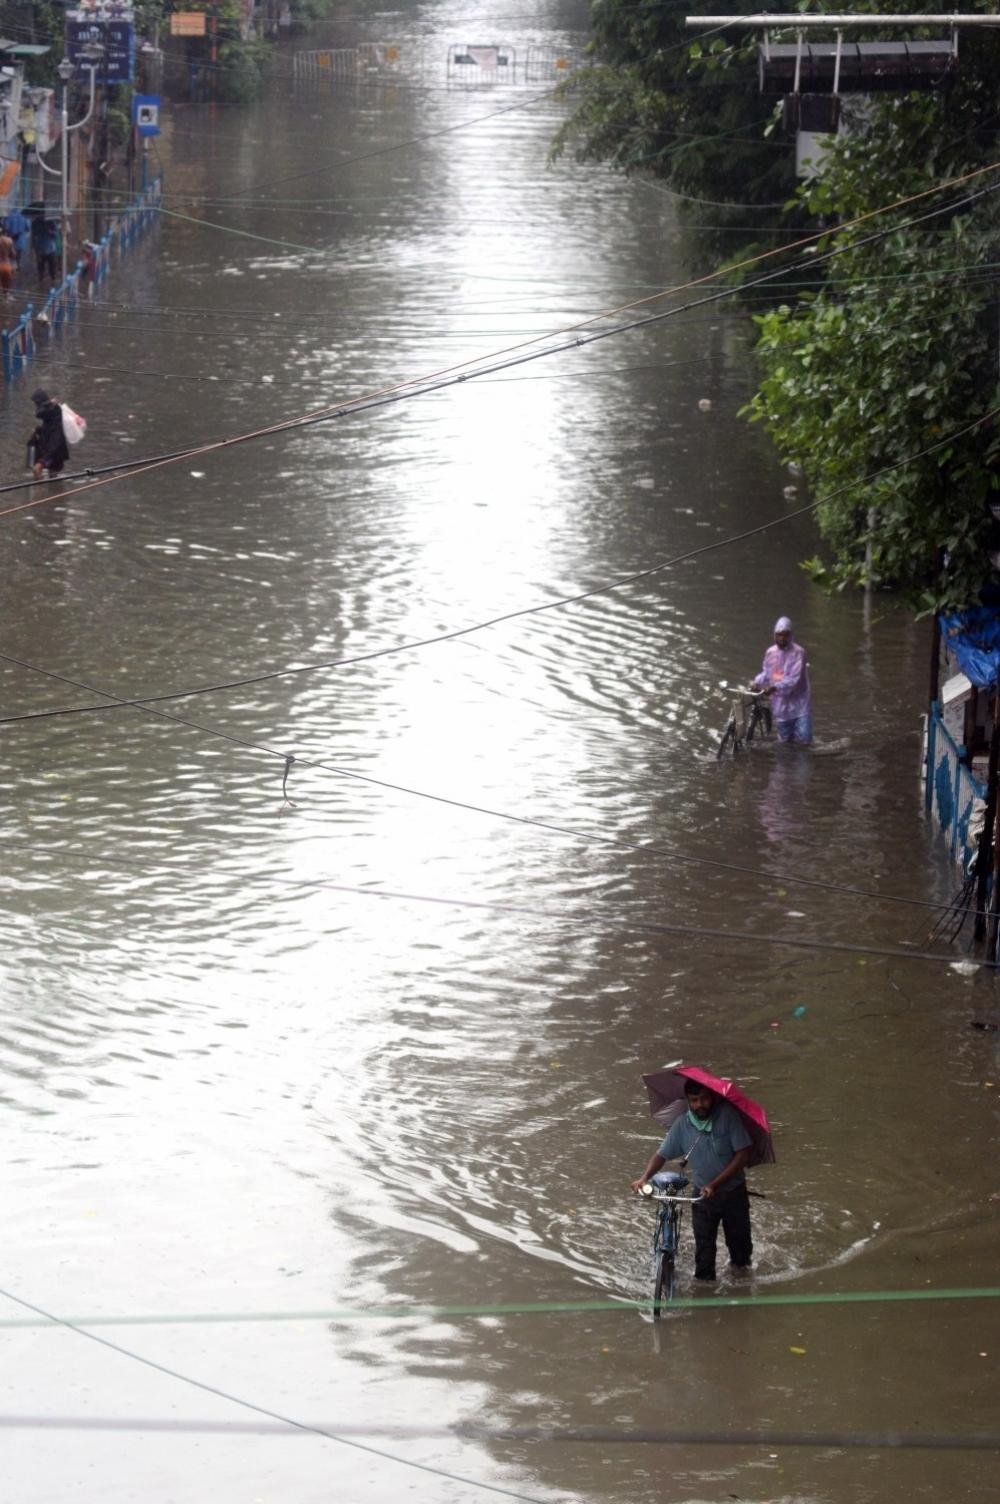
[(18, 342)]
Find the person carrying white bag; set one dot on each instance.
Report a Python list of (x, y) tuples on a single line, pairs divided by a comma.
[(74, 427), (47, 447)]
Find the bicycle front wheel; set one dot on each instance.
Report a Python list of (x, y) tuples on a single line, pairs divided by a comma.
[(666, 1280), (727, 741)]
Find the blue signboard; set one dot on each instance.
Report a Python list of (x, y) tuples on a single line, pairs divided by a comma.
[(146, 114), (116, 36)]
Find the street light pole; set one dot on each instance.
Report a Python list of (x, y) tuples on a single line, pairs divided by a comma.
[(94, 52), (65, 71)]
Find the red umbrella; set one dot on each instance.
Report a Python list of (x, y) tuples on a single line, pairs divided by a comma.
[(666, 1104)]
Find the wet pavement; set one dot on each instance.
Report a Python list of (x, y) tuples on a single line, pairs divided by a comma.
[(235, 1079)]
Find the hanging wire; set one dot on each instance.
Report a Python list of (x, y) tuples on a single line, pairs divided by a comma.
[(286, 1420), (460, 372)]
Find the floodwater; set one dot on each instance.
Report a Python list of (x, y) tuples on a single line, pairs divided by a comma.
[(239, 1079)]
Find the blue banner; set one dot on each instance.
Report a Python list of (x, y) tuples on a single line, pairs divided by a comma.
[(973, 636)]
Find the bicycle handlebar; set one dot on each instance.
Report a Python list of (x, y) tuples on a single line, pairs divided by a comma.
[(653, 1195)]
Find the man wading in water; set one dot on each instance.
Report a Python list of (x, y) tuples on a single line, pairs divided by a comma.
[(713, 1136), (786, 675), (47, 446)]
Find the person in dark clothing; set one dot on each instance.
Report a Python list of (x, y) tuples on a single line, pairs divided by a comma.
[(713, 1136), (48, 447), (46, 245)]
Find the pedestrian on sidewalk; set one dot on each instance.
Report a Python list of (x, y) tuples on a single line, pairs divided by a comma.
[(47, 447), (17, 227), (8, 261), (45, 239)]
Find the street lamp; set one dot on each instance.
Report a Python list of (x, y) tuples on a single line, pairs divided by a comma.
[(93, 52), (65, 72)]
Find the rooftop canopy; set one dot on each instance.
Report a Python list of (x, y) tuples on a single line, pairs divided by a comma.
[(22, 49)]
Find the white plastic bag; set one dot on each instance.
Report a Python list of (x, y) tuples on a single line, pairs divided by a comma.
[(74, 427)]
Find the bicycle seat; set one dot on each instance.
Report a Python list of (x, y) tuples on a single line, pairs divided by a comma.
[(669, 1180)]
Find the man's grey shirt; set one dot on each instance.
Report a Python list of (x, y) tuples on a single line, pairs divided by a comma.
[(712, 1150)]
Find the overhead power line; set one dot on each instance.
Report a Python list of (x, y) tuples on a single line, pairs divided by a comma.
[(566, 1435), (481, 366), (148, 701), (459, 373), (285, 1420), (510, 357), (614, 1304)]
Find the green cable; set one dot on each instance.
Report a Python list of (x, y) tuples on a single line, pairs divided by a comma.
[(289, 245), (536, 1308)]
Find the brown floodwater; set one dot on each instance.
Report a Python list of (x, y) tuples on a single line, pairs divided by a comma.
[(237, 1081)]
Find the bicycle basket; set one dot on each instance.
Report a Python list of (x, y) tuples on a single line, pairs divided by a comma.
[(670, 1181)]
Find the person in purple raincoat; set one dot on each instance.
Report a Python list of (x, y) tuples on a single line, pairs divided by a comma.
[(786, 674)]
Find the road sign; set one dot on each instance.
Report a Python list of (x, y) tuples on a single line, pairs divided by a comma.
[(111, 30), (187, 23), (146, 114)]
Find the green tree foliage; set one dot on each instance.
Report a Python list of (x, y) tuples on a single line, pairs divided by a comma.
[(677, 104), (885, 349), (897, 350)]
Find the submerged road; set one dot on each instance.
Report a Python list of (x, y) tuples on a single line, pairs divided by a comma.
[(233, 1082)]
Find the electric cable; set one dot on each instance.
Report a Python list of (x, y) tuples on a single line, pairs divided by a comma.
[(628, 926), (148, 706), (148, 701), (598, 924), (458, 372), (935, 1441), (287, 1420), (397, 1311), (551, 827)]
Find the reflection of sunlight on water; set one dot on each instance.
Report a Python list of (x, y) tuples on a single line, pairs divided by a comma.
[(231, 1086)]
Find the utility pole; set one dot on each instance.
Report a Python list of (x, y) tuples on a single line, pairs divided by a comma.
[(100, 174), (213, 27), (65, 71)]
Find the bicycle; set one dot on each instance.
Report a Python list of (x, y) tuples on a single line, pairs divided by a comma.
[(749, 714), (664, 1188)]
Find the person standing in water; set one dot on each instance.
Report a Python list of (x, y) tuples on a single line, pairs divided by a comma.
[(8, 263), (712, 1136), (786, 675), (47, 445)]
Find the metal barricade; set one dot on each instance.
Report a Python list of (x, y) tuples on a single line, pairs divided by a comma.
[(478, 64), (135, 218), (368, 62), (18, 344), (543, 65)]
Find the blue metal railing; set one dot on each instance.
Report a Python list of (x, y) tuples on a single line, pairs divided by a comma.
[(135, 218), (951, 790)]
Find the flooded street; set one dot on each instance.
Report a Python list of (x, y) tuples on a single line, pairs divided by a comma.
[(378, 1042)]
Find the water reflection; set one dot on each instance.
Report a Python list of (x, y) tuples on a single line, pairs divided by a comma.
[(231, 1085)]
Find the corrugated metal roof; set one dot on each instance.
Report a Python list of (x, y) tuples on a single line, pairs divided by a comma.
[(23, 49)]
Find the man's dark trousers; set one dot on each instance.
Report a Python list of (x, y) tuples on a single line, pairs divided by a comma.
[(732, 1209)]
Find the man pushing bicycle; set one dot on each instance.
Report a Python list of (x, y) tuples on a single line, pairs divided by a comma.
[(711, 1137), (785, 677)]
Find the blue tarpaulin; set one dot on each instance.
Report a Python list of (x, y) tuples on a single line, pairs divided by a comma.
[(974, 638)]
